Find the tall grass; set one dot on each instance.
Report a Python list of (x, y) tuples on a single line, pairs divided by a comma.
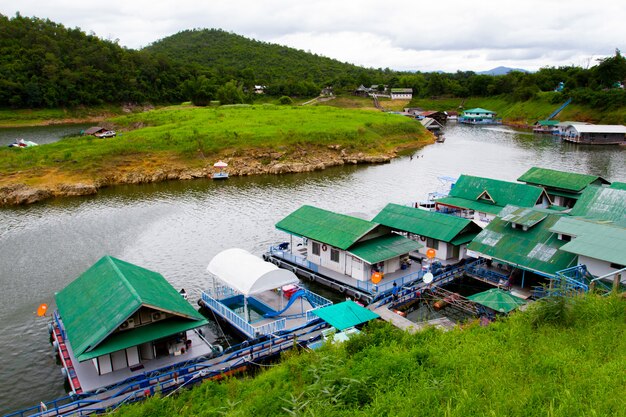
[(513, 367)]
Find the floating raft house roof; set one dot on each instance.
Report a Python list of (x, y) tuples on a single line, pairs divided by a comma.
[(344, 315)]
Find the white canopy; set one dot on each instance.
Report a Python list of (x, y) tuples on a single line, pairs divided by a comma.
[(248, 274), (220, 164)]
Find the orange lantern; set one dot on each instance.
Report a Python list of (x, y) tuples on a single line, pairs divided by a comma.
[(430, 253), (41, 311), (376, 277)]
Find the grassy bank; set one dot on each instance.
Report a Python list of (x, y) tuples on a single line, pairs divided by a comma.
[(533, 364), (191, 137), (43, 117), (527, 112)]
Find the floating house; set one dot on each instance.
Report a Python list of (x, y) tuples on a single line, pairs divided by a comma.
[(546, 126), (595, 134), (481, 199), (560, 127), (255, 297), (431, 125), (596, 230), (118, 318), (401, 93), (520, 238), (94, 130), (352, 255), (478, 116), (447, 235), (563, 188)]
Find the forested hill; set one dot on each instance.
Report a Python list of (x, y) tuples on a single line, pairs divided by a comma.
[(44, 64), (255, 62)]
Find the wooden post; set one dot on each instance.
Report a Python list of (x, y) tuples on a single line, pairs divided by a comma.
[(616, 281)]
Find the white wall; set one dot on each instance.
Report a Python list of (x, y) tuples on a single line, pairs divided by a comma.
[(598, 267), (105, 365), (118, 360), (132, 356)]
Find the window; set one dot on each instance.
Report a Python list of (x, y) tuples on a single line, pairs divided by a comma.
[(315, 248), (432, 243), (334, 255)]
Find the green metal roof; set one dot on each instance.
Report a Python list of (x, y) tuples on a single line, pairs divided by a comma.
[(497, 299), (324, 226), (96, 303), (383, 247), (602, 203), (525, 217), (344, 315), (569, 181), (443, 227), (618, 185), (143, 334), (606, 242), (548, 122), (536, 249), (479, 110), (470, 204), (486, 190)]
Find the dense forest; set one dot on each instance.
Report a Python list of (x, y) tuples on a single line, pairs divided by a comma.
[(44, 64)]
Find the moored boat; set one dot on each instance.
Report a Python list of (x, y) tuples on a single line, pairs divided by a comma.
[(21, 143)]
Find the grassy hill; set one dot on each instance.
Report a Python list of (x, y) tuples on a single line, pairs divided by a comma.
[(560, 359)]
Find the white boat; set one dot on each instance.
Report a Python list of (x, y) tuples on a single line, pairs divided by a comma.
[(21, 143), (106, 134), (221, 174)]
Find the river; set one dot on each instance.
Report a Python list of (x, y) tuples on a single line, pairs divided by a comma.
[(41, 134), (175, 228)]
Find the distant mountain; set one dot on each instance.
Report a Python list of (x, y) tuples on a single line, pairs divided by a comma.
[(501, 71), (253, 61)]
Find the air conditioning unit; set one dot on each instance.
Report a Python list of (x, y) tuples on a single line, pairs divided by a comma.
[(128, 324), (158, 315)]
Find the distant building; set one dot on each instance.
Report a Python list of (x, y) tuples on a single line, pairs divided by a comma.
[(478, 116), (259, 89), (94, 130), (401, 93), (327, 91), (595, 134)]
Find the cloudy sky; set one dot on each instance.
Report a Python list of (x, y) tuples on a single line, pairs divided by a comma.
[(416, 36)]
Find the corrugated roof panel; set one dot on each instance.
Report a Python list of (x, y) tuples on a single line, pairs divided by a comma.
[(535, 249), (384, 247), (464, 203), (599, 128), (618, 185), (430, 224), (602, 203), (344, 315), (525, 217), (325, 226), (569, 181)]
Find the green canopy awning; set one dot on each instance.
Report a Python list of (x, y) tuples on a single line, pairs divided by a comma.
[(497, 299), (344, 315)]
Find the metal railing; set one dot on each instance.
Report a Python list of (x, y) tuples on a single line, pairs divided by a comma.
[(295, 259), (239, 322)]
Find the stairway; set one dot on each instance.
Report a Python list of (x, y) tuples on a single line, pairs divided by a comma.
[(557, 111)]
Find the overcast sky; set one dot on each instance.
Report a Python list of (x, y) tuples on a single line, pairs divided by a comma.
[(416, 36)]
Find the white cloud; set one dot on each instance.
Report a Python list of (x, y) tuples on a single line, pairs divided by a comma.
[(447, 36)]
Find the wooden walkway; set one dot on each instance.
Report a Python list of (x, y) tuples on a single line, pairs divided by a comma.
[(405, 324)]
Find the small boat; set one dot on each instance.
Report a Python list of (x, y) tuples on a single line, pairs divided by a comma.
[(440, 139), (106, 134), (221, 174), (21, 143)]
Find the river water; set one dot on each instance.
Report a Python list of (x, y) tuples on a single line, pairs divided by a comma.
[(175, 228), (40, 134)]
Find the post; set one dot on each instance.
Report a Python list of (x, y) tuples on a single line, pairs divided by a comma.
[(616, 281), (523, 277), (245, 309)]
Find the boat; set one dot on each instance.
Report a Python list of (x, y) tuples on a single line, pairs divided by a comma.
[(21, 143), (429, 204), (220, 174), (106, 134), (257, 299), (440, 139)]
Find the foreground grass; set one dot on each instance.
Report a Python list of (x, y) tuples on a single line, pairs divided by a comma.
[(521, 366), (527, 112), (192, 137)]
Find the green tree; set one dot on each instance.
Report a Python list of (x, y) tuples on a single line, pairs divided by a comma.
[(230, 93)]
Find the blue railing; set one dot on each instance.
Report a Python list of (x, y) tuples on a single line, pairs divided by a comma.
[(239, 322), (486, 274), (298, 260), (317, 300)]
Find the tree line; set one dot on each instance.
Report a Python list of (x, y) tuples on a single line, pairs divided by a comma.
[(44, 64)]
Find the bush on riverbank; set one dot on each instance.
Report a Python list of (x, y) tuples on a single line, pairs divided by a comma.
[(514, 367)]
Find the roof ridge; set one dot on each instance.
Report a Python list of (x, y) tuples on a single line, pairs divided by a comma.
[(128, 285)]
